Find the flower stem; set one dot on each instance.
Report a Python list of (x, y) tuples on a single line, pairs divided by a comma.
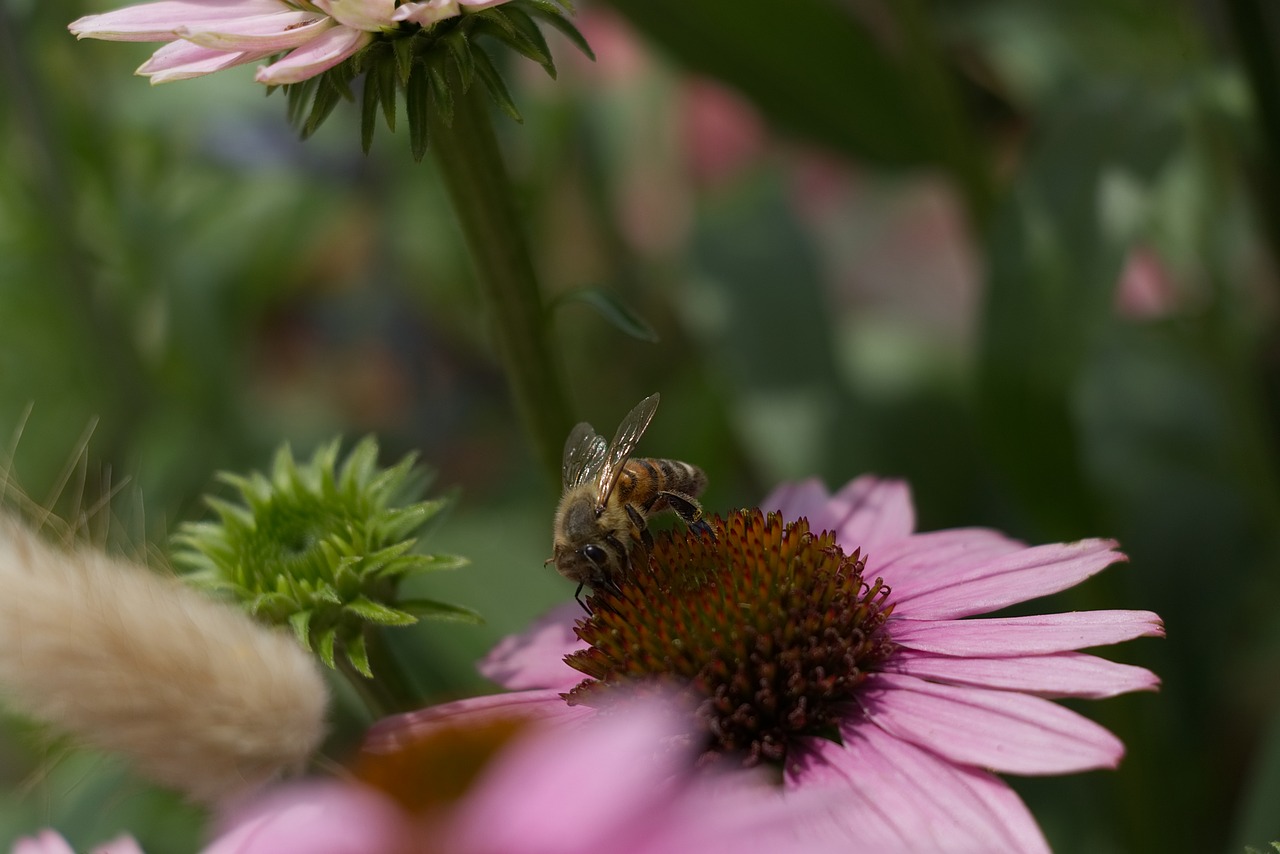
[(959, 149), (474, 175)]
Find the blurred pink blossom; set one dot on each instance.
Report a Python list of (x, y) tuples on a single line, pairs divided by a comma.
[(51, 842), (603, 786), (956, 701), (1145, 290)]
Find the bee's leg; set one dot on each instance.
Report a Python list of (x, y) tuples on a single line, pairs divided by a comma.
[(637, 519), (577, 595), (689, 510)]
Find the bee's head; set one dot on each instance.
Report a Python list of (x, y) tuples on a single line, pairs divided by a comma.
[(589, 563)]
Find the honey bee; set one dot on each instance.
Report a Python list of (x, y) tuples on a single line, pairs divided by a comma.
[(601, 522)]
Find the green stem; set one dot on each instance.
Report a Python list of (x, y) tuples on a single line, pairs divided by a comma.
[(390, 690), (959, 149), (1251, 27), (474, 175)]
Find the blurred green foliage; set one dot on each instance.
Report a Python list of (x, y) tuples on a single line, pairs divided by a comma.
[(1022, 254)]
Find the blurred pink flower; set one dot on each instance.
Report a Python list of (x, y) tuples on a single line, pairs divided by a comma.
[(51, 842), (582, 790), (1145, 289), (931, 704), (205, 36)]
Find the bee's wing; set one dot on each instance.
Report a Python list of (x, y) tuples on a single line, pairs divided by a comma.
[(624, 442), (584, 453)]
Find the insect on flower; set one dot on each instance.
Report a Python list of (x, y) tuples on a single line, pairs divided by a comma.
[(602, 521)]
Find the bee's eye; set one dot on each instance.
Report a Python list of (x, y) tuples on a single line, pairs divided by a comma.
[(595, 554)]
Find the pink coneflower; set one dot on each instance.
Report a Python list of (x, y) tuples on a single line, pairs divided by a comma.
[(845, 660), (510, 785), (205, 36)]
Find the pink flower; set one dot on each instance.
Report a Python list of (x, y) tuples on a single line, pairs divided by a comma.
[(205, 36), (850, 662), (431, 11), (597, 787), (50, 842)]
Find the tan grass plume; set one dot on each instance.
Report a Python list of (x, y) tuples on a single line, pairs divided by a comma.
[(191, 691)]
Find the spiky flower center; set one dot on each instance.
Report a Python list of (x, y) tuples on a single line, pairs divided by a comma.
[(768, 627)]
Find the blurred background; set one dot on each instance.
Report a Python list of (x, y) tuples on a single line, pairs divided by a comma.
[(1021, 254)]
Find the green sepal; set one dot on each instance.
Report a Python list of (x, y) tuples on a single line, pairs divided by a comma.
[(416, 95), (358, 654), (374, 612), (412, 565), (459, 47), (300, 622), (404, 59), (495, 85), (430, 609), (369, 99), (441, 93), (550, 12), (324, 647), (517, 30)]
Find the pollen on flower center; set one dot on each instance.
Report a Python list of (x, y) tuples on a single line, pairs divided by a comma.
[(769, 627)]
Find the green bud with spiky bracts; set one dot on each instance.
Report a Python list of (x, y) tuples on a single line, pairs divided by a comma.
[(322, 547)]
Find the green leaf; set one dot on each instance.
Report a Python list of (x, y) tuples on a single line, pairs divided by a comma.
[(433, 610), (811, 66), (612, 309), (459, 47), (376, 612)]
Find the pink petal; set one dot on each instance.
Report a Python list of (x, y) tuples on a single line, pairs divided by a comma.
[(389, 733), (151, 22), (807, 499), (867, 513), (119, 845), (992, 584), (45, 842), (316, 56), (182, 60), (616, 774), (534, 658), (904, 798), (909, 563), (1004, 731), (1063, 674), (1035, 635), (871, 513), (426, 14), (318, 818), (280, 30), (369, 15)]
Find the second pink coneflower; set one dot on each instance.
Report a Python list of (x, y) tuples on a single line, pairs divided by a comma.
[(830, 640)]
